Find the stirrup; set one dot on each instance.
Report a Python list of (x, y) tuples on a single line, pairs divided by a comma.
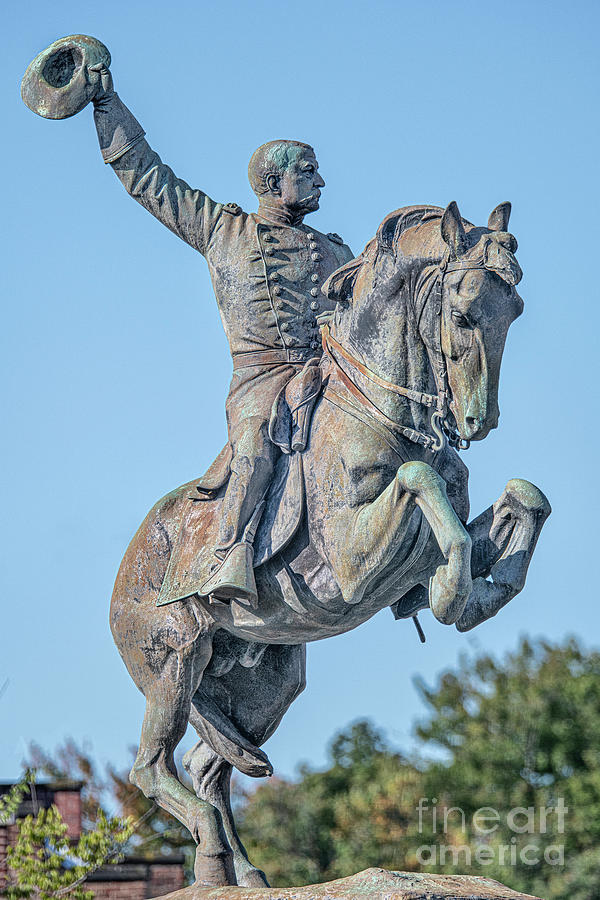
[(234, 579)]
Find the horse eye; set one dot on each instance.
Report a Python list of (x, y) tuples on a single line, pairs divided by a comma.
[(460, 320)]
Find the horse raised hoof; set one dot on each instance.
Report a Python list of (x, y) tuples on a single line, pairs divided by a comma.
[(450, 587), (521, 501), (487, 598), (519, 515)]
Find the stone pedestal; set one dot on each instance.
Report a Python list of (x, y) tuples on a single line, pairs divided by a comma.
[(372, 884)]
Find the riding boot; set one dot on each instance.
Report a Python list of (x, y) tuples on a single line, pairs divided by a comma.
[(234, 578)]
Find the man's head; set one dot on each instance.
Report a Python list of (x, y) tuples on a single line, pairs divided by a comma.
[(286, 174)]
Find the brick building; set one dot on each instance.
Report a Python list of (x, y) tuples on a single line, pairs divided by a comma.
[(135, 878)]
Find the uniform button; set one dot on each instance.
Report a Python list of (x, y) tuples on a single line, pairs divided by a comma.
[(315, 256), (269, 238), (314, 345), (310, 236), (314, 277), (279, 304), (314, 292), (285, 326), (313, 245), (274, 276), (314, 305), (277, 289), (270, 251)]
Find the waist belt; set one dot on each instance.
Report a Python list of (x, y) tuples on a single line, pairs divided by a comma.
[(273, 357)]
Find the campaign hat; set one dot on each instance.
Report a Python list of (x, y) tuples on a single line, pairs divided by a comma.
[(57, 83)]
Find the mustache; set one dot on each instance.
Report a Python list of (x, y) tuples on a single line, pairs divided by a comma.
[(315, 195)]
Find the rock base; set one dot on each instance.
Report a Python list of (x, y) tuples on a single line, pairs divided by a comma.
[(372, 884)]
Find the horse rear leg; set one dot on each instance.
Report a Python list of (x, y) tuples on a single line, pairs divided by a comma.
[(155, 773), (211, 777), (256, 698)]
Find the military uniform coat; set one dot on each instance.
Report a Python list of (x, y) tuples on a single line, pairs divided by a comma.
[(267, 276)]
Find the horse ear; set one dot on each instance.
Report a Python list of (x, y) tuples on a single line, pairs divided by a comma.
[(340, 284), (452, 229), (387, 231), (499, 217)]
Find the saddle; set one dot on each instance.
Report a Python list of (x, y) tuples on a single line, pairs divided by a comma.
[(192, 561)]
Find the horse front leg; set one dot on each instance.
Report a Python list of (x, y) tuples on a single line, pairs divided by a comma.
[(504, 538), (360, 546)]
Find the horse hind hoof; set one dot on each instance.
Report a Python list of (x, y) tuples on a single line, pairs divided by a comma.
[(256, 764), (253, 878), (255, 768), (214, 871)]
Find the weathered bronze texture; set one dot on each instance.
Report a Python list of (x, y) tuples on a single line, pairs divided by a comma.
[(340, 491), (369, 515), (267, 270), (372, 884), (58, 84)]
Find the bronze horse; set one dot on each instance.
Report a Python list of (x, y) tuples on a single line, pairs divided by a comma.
[(410, 373)]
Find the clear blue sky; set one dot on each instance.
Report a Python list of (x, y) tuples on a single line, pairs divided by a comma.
[(115, 367)]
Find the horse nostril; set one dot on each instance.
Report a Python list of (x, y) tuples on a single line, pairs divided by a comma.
[(471, 420)]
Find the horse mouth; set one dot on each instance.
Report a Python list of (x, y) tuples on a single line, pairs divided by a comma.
[(476, 429)]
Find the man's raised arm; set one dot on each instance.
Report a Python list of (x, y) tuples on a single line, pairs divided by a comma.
[(191, 214)]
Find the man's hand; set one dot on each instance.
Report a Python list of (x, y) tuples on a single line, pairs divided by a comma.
[(105, 87)]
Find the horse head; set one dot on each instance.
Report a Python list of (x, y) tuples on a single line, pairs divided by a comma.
[(431, 278), (478, 304)]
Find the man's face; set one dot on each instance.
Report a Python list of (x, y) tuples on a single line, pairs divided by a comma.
[(300, 184)]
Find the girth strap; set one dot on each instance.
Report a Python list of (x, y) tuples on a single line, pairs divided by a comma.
[(293, 355)]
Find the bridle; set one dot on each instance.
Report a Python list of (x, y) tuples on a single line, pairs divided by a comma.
[(439, 402)]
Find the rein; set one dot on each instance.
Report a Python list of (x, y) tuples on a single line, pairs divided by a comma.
[(437, 402), (417, 437)]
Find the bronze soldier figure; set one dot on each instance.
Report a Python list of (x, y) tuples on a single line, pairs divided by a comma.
[(409, 377), (267, 269)]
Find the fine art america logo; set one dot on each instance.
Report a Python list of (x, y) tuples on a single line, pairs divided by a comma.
[(483, 827)]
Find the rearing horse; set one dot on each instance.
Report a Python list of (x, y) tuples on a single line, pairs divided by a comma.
[(410, 372)]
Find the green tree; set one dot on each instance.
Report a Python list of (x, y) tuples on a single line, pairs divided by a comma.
[(516, 736), (360, 812), (523, 733), (157, 833), (10, 802), (512, 791), (43, 863)]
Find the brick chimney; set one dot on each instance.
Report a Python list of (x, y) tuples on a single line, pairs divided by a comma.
[(67, 799)]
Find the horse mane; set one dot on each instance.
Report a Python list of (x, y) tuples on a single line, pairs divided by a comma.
[(400, 220), (339, 285)]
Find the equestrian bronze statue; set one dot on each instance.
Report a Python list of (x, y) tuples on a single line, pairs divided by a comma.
[(341, 490)]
